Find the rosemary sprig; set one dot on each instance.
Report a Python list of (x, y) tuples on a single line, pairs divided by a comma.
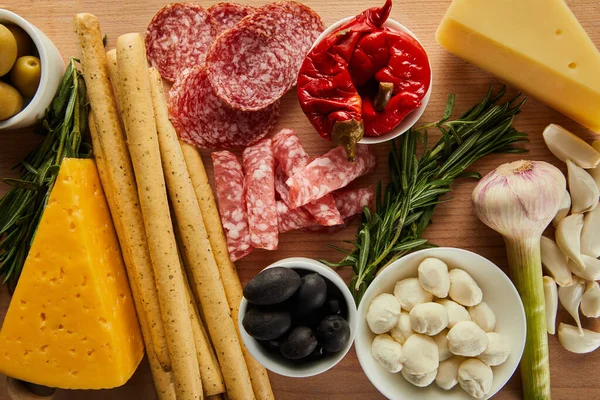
[(404, 209), (64, 127)]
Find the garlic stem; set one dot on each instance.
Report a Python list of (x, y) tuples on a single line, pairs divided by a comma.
[(567, 146), (590, 234), (570, 298), (563, 211), (551, 301), (555, 262), (583, 189), (572, 340), (568, 233)]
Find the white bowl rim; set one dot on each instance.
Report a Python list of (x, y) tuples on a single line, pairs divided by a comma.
[(390, 271), (411, 119), (32, 31), (318, 367)]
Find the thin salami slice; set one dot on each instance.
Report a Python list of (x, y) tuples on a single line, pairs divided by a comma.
[(328, 173), (290, 154), (291, 220), (259, 167), (178, 37), (352, 201), (281, 187), (203, 120), (227, 15), (253, 64), (229, 185)]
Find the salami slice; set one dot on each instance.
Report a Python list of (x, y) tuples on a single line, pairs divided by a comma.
[(253, 64), (290, 154), (328, 173), (280, 186), (227, 15), (352, 201), (178, 37), (259, 167), (203, 120), (291, 220), (229, 185)]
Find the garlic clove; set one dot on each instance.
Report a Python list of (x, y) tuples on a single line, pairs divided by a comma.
[(483, 316), (583, 189), (590, 234), (456, 312), (590, 301), (387, 352), (447, 373), (497, 350), (383, 313), (467, 339), (567, 146), (434, 277), (595, 172), (563, 211), (419, 355), (551, 297), (591, 272), (475, 377), (555, 262), (570, 298), (420, 380), (441, 340), (428, 318), (409, 293), (572, 340), (568, 233), (463, 288)]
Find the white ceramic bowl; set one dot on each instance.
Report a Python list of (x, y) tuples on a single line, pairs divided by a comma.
[(411, 119), (277, 363), (53, 68), (498, 292)]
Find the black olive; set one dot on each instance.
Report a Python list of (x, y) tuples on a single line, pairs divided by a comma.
[(299, 343), (317, 354), (311, 295), (333, 306), (266, 324), (271, 345), (333, 333), (272, 286)]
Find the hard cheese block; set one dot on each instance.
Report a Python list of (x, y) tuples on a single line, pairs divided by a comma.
[(536, 45), (71, 322)]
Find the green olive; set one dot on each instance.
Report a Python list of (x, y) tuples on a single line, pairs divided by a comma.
[(25, 75), (8, 50), (11, 102), (24, 42)]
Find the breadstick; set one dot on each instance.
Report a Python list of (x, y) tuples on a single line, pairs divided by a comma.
[(125, 208), (231, 281), (198, 252), (138, 119)]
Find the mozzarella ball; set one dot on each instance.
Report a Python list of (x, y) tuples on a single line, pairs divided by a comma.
[(387, 352), (447, 373), (442, 343), (456, 312), (419, 355), (428, 318), (497, 350), (463, 288), (420, 380), (434, 277), (383, 313), (483, 316), (475, 377), (402, 330), (410, 293), (467, 339)]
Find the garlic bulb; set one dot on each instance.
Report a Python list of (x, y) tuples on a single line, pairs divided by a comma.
[(563, 211), (551, 297), (591, 272), (590, 301), (383, 313), (568, 233), (571, 339), (567, 146), (583, 189), (410, 293), (447, 373), (456, 312), (420, 380), (402, 330), (483, 316), (475, 377), (419, 355), (434, 277), (570, 298), (497, 350), (441, 340), (555, 262), (467, 339), (463, 288), (428, 318), (590, 234), (387, 352)]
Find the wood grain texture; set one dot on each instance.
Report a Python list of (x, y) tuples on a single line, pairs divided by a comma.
[(454, 223)]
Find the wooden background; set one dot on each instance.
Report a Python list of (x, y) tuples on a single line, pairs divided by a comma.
[(454, 224)]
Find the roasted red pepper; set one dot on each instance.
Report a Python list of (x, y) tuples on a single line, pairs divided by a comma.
[(363, 79)]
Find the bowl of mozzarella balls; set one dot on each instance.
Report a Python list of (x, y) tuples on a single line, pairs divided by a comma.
[(440, 323)]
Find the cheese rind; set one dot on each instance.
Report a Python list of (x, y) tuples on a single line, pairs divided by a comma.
[(537, 46), (71, 322)]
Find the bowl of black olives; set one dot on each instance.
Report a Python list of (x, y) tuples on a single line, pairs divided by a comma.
[(297, 317)]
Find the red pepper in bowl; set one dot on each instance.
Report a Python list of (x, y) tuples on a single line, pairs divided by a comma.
[(362, 79)]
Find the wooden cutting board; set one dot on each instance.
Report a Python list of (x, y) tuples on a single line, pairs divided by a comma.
[(454, 223)]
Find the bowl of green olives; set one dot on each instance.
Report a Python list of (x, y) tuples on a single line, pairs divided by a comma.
[(297, 317), (31, 68)]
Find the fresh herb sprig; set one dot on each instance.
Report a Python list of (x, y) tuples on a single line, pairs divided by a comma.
[(64, 127), (404, 209)]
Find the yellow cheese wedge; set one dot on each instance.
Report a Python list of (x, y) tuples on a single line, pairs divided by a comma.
[(536, 45), (71, 322)]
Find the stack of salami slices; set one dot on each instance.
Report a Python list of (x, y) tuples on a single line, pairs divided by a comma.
[(230, 65), (277, 188)]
